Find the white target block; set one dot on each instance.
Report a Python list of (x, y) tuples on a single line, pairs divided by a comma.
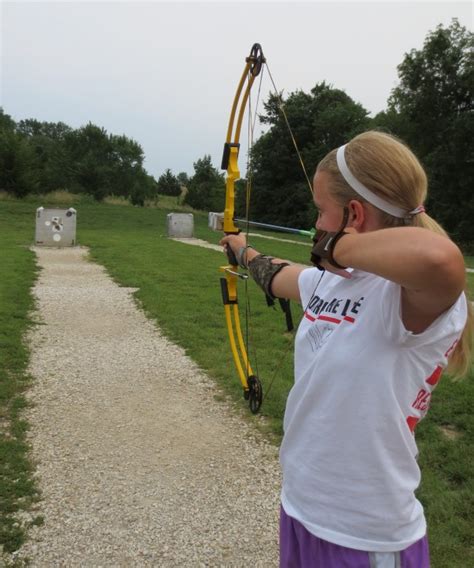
[(180, 225), (55, 227)]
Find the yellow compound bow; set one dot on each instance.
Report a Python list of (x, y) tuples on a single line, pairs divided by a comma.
[(251, 384)]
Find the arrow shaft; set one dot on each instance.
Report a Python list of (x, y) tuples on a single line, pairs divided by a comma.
[(276, 228)]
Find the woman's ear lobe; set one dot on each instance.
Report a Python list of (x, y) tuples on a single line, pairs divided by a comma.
[(356, 214)]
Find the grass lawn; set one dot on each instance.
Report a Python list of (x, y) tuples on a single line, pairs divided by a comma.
[(179, 289), (469, 261), (18, 272)]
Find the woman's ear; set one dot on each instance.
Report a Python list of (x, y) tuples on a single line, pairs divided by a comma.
[(357, 214)]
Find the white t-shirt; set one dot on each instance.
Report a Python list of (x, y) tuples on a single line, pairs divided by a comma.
[(362, 381)]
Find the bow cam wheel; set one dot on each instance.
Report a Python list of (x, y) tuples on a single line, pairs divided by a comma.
[(256, 59), (255, 394)]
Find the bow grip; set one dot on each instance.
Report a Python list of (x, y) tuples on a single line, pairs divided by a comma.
[(230, 253)]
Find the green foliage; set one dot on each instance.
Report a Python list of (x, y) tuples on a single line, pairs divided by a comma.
[(320, 121), (48, 141), (432, 109), (105, 164), (137, 194), (18, 165), (17, 487), (44, 157), (206, 187), (6, 122), (168, 184), (183, 178)]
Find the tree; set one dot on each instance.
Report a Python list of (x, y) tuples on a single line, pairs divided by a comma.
[(143, 187), (47, 139), (321, 120), (183, 179), (7, 124), (102, 164), (432, 110), (91, 153), (45, 156), (18, 165), (206, 188), (126, 166), (168, 184)]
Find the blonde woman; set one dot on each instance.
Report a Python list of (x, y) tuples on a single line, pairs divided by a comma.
[(384, 314)]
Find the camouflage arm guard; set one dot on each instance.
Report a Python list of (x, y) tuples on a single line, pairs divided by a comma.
[(263, 271)]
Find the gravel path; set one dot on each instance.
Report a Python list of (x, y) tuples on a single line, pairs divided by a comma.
[(138, 464)]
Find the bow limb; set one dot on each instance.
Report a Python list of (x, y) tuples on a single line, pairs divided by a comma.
[(251, 385)]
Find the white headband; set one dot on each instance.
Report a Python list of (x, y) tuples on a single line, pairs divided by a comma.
[(368, 195)]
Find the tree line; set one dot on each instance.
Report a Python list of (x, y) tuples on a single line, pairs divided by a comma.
[(431, 109), (39, 157)]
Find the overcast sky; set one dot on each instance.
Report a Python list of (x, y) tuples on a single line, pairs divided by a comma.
[(164, 73)]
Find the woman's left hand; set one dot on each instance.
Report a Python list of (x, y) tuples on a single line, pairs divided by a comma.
[(324, 255), (233, 243)]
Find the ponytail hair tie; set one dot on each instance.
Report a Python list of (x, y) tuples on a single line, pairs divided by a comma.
[(419, 209)]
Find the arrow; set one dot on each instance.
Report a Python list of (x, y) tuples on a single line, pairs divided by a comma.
[(278, 228)]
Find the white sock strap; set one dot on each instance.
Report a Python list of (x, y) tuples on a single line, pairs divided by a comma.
[(368, 195)]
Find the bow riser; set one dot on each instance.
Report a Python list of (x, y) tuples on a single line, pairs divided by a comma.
[(233, 174)]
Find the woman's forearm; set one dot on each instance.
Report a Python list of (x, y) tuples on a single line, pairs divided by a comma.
[(415, 258)]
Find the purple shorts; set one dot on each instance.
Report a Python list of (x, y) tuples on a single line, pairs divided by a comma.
[(301, 549)]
